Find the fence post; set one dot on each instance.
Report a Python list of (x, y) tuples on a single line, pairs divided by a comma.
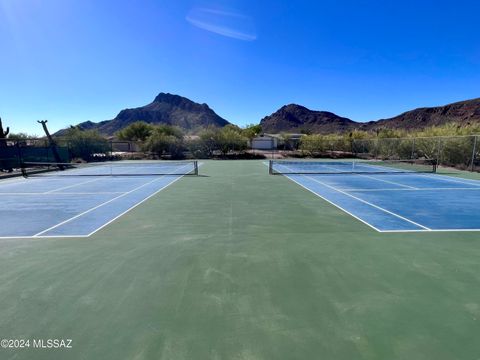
[(474, 153), (439, 146), (413, 149)]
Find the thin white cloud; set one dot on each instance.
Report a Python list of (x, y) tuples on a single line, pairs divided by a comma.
[(225, 23)]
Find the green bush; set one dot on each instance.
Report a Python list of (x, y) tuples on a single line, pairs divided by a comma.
[(229, 139), (138, 131), (86, 144), (165, 140)]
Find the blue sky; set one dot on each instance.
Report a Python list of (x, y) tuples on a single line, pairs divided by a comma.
[(70, 61)]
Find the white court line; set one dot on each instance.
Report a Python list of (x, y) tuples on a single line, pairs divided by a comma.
[(437, 176), (390, 182), (331, 202), (368, 203), (101, 227), (41, 237), (65, 193), (432, 230), (100, 205), (96, 230), (363, 201), (134, 206), (451, 179), (71, 186), (416, 189), (382, 180), (385, 231)]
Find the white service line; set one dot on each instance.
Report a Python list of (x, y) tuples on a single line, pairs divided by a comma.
[(416, 189), (368, 203), (389, 182), (432, 230), (361, 200), (71, 186), (376, 179), (423, 230), (134, 206), (41, 237), (451, 179), (65, 193), (98, 206), (331, 202)]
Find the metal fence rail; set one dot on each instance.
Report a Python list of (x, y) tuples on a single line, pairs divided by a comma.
[(462, 152)]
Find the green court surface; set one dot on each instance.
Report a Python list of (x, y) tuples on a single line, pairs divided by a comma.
[(238, 264)]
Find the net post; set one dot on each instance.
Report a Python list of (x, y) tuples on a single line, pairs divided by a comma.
[(439, 150), (23, 169), (195, 167), (270, 167)]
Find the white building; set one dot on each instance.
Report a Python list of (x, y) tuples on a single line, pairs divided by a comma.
[(264, 143)]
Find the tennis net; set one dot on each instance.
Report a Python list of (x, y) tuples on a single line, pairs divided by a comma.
[(121, 168), (286, 167)]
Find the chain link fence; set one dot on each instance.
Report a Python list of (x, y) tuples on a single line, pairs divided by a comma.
[(462, 152), (15, 152)]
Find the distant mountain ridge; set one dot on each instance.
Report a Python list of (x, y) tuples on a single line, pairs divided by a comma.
[(296, 118), (461, 112), (179, 111), (167, 109)]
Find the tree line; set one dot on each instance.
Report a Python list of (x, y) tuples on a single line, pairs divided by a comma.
[(450, 144), (164, 141)]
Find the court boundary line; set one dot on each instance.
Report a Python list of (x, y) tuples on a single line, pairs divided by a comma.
[(29, 237), (71, 186), (332, 203), (447, 178), (417, 189), (365, 202), (36, 236), (92, 209), (102, 204), (381, 180), (389, 231), (390, 182), (373, 227), (370, 204), (65, 193), (133, 207)]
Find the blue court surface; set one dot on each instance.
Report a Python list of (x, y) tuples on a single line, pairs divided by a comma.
[(398, 201), (68, 205)]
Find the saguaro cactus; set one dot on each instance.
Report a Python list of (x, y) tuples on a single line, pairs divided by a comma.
[(52, 143), (3, 134), (4, 164)]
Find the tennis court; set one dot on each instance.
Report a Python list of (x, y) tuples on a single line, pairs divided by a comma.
[(79, 200), (390, 196), (235, 264)]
